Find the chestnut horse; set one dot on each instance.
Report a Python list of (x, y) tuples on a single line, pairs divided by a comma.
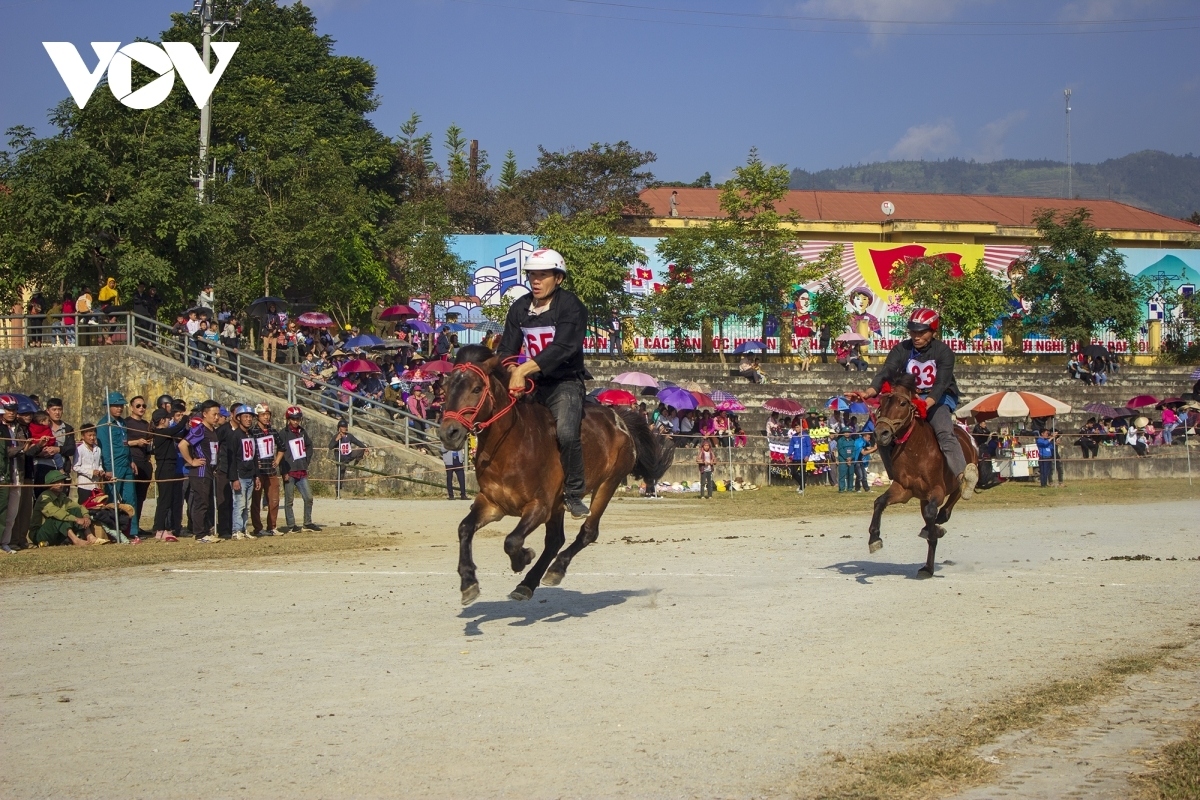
[(917, 466), (519, 472)]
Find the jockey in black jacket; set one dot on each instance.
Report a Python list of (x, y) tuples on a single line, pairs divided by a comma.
[(931, 362), (549, 323)]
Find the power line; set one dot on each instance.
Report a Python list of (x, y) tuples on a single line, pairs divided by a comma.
[(686, 23)]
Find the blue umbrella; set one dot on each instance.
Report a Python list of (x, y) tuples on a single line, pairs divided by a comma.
[(838, 404), (750, 347), (419, 326), (858, 408), (455, 327), (678, 398), (363, 340)]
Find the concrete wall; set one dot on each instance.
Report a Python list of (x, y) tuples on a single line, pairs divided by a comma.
[(80, 376)]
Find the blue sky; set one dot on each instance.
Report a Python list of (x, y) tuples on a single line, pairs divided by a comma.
[(811, 83)]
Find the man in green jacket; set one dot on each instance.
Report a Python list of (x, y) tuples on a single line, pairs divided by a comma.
[(58, 519)]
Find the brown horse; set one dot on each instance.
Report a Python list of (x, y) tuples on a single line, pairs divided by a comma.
[(917, 467), (519, 472)]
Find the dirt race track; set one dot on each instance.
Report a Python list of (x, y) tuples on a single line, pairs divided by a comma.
[(720, 659)]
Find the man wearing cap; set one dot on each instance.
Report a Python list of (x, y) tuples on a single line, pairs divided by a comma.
[(56, 518), (266, 451), (113, 439), (241, 466), (295, 450), (549, 324), (222, 478), (346, 447), (200, 450)]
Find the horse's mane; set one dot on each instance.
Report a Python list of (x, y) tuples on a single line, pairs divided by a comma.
[(904, 380), (479, 354)]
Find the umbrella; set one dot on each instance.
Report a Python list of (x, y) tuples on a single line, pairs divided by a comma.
[(24, 404), (730, 405), (455, 327), (838, 404), (1013, 404), (398, 312), (783, 405), (1141, 401), (1104, 411), (1095, 351), (703, 400), (678, 398), (858, 408), (363, 340), (419, 326), (441, 365), (648, 391), (721, 396), (636, 379), (1171, 401), (692, 386), (358, 365), (750, 347), (1195, 374), (851, 339), (259, 306), (616, 397), (487, 326), (418, 376), (315, 319)]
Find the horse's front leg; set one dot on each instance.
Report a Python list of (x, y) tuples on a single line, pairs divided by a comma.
[(555, 539), (482, 512), (519, 555), (931, 532), (894, 494)]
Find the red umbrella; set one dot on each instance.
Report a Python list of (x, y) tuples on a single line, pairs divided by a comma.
[(703, 400), (1171, 401), (440, 365), (314, 319), (1142, 400), (358, 365), (616, 397), (783, 405), (398, 312)]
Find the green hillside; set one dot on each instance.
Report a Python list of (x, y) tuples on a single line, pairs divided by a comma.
[(1150, 179)]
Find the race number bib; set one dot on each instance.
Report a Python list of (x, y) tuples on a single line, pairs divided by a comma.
[(297, 448), (212, 452), (537, 339), (345, 448), (266, 446), (924, 371), (247, 449)]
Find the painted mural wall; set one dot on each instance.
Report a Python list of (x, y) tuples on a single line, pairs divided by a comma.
[(865, 269)]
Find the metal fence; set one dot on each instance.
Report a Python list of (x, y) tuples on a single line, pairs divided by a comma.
[(125, 329)]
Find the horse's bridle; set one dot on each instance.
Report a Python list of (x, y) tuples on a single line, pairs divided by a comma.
[(895, 424), (469, 417)]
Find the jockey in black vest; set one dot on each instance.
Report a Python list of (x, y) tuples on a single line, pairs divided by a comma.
[(931, 362), (549, 323)]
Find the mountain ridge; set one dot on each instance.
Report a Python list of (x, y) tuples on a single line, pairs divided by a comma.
[(1150, 179)]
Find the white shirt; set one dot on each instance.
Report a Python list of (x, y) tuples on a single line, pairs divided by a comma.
[(87, 461)]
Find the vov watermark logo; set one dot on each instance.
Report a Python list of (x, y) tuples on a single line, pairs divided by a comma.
[(166, 60)]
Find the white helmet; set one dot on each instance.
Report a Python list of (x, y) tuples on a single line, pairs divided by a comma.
[(546, 259)]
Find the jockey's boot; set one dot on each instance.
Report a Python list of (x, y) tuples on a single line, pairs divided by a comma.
[(577, 508), (968, 480)]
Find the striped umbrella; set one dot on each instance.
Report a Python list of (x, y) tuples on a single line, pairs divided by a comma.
[(1013, 404), (1195, 374), (721, 396)]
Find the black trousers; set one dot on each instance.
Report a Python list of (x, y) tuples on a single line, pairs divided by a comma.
[(168, 512), (200, 505), (141, 487), (224, 504), (565, 401), (461, 472)]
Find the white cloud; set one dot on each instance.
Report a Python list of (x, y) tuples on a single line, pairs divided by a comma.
[(923, 141), (1092, 10), (872, 11), (992, 135)]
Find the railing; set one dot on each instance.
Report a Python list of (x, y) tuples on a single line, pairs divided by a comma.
[(241, 367)]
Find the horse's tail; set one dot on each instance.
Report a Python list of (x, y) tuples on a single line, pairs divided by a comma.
[(655, 453)]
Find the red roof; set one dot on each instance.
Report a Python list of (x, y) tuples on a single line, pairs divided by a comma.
[(832, 206)]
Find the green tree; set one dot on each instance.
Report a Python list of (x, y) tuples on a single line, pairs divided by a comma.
[(508, 171), (456, 159), (1075, 280), (830, 305), (710, 257), (601, 181), (969, 303), (598, 261)]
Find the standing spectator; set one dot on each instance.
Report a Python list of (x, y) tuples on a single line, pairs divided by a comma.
[(805, 353), (270, 336), (453, 459), (200, 450), (823, 339), (83, 313), (442, 345), (206, 299), (266, 447), (292, 340), (296, 450), (1169, 420), (87, 465), (61, 452), (222, 491), (377, 323), (799, 449), (417, 406), (192, 330), (35, 312), (674, 212), (168, 477), (14, 440), (68, 320), (241, 465), (1045, 446), (110, 296), (346, 447), (844, 447), (113, 437), (141, 447), (705, 460)]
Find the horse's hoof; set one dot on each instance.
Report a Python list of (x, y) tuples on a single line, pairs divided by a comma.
[(552, 578), (875, 545), (522, 592), (924, 572), (470, 594), (924, 534), (530, 555), (940, 531)]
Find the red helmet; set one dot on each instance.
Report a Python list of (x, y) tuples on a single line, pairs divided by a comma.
[(8, 402), (924, 319), (294, 413)]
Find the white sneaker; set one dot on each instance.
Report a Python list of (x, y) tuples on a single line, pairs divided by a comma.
[(970, 478), (210, 539), (240, 535)]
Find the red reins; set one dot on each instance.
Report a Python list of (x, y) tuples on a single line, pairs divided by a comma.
[(469, 417)]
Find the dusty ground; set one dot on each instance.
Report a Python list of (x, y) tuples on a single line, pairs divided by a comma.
[(723, 658)]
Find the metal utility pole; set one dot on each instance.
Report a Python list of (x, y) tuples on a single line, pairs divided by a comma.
[(204, 10), (1067, 98)]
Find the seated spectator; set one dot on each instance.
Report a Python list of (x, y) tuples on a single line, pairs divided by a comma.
[(58, 520), (858, 362), (1099, 369), (747, 370), (1089, 438), (841, 354)]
